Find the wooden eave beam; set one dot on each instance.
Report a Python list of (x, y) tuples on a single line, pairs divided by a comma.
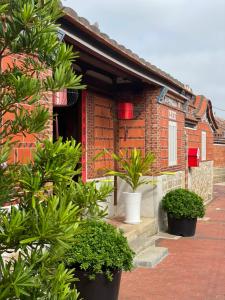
[(131, 68)]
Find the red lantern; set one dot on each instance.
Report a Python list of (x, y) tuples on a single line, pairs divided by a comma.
[(125, 111), (60, 98)]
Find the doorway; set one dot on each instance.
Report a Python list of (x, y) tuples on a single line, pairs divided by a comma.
[(67, 121)]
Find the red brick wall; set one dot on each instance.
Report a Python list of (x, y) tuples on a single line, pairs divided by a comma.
[(22, 151), (100, 133), (148, 131), (164, 119), (152, 124), (132, 132), (219, 156), (194, 138), (105, 131)]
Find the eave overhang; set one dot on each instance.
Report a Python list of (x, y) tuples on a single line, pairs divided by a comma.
[(89, 41)]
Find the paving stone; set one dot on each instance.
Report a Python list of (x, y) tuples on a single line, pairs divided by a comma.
[(150, 257), (139, 236), (194, 268)]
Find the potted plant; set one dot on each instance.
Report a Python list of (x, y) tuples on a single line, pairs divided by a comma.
[(98, 255), (183, 207), (131, 170)]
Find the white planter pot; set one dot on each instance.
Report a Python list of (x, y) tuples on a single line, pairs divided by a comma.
[(132, 207)]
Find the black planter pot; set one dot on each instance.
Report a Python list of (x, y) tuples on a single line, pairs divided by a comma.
[(100, 288), (183, 226)]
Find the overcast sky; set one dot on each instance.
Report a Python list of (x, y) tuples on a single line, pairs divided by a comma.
[(185, 38)]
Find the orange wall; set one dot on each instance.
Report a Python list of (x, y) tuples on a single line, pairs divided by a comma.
[(22, 151), (219, 156)]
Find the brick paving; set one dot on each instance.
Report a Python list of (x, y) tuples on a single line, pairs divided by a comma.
[(194, 268)]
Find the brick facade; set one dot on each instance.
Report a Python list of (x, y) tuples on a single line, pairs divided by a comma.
[(148, 130), (194, 138), (106, 131), (219, 155), (164, 118), (25, 145), (100, 133)]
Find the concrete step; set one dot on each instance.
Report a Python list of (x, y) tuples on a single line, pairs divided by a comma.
[(139, 236), (150, 257), (142, 239)]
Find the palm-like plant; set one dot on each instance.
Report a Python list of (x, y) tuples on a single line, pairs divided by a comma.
[(133, 167)]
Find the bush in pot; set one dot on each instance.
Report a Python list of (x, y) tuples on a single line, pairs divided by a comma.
[(183, 207), (99, 253), (132, 170)]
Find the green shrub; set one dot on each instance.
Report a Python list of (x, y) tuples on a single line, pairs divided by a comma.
[(183, 203), (99, 248)]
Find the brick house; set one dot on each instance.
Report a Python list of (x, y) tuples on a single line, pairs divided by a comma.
[(168, 118)]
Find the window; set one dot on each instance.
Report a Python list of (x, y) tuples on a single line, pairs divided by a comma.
[(172, 143), (203, 145)]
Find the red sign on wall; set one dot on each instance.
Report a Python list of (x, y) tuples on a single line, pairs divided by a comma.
[(193, 157)]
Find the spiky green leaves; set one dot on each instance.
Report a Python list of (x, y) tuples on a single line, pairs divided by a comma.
[(37, 61), (33, 63), (133, 167), (41, 227)]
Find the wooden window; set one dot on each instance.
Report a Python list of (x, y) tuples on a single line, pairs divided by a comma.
[(172, 136), (203, 145)]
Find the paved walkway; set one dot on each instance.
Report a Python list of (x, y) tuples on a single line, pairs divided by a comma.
[(194, 268)]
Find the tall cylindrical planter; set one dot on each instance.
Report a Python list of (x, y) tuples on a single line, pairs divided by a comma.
[(132, 207)]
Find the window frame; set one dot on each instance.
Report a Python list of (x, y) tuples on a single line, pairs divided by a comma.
[(203, 145), (172, 143)]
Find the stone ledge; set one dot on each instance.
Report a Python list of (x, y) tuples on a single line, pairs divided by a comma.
[(150, 257), (139, 236)]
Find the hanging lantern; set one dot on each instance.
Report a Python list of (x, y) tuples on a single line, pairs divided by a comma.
[(60, 98), (125, 111)]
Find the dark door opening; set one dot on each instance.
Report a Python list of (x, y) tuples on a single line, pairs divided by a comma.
[(69, 121)]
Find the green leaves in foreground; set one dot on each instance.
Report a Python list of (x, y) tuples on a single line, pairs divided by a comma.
[(33, 63), (42, 227), (35, 234)]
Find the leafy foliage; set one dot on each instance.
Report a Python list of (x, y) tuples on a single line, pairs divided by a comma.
[(133, 168), (28, 29), (41, 228), (33, 63), (183, 203), (89, 198), (35, 234), (99, 248), (52, 163)]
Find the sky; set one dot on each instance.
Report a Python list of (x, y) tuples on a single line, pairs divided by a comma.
[(185, 38)]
